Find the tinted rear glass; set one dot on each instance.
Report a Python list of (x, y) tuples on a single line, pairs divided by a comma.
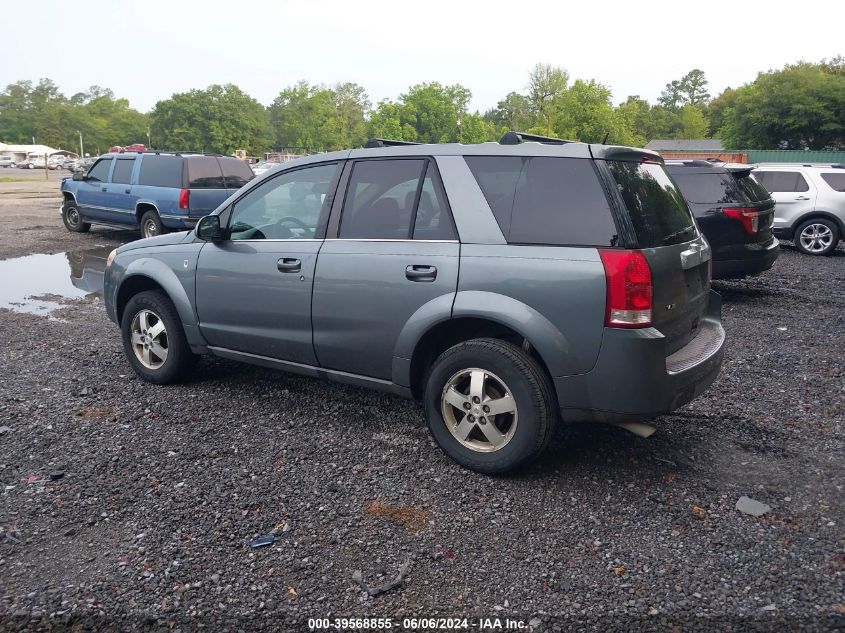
[(712, 188), (122, 170), (550, 201), (836, 181), (161, 171), (236, 173), (751, 188), (657, 209), (783, 181), (204, 173)]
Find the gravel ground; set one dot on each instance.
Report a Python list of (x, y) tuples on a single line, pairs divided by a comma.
[(127, 505)]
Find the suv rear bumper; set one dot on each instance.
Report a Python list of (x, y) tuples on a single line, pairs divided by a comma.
[(633, 378), (741, 260)]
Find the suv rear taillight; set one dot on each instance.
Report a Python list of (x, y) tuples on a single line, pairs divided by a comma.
[(184, 198), (629, 288), (749, 216)]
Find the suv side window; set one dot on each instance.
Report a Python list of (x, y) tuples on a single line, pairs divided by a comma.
[(204, 173), (782, 181), (433, 220), (100, 170), (540, 200), (235, 172), (836, 181), (123, 170), (291, 206), (379, 201), (161, 171)]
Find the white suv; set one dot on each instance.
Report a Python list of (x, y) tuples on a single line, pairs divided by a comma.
[(810, 207)]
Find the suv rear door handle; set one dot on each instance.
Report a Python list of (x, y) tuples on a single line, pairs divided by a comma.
[(289, 265), (802, 197), (127, 190), (102, 189), (421, 273)]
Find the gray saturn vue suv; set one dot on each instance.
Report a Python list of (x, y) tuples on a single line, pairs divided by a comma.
[(506, 285)]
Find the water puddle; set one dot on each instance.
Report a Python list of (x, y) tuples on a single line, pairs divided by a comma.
[(37, 284)]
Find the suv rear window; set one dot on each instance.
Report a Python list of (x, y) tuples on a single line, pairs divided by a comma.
[(718, 187), (836, 181), (547, 201), (161, 171), (657, 209), (236, 172), (204, 173)]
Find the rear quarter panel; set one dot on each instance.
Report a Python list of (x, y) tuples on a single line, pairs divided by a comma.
[(554, 296)]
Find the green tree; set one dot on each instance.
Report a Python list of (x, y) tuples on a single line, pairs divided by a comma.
[(511, 113), (217, 119), (799, 107), (319, 118), (690, 89), (585, 113), (546, 85), (693, 124)]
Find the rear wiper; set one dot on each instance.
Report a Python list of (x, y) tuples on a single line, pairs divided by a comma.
[(672, 236)]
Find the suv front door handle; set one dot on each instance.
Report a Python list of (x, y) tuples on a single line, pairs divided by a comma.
[(289, 265), (421, 273), (802, 197), (127, 190), (102, 188)]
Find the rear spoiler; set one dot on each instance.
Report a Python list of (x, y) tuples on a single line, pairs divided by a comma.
[(620, 152)]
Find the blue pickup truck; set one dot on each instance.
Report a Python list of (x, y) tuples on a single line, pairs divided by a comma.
[(151, 191)]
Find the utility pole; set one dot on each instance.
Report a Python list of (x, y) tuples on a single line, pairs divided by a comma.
[(149, 144), (81, 150)]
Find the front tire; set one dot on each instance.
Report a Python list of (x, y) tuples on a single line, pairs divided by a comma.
[(72, 218), (489, 405), (818, 236), (154, 340), (151, 224)]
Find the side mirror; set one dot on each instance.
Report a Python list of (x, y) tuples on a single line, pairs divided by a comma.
[(208, 229), (78, 175)]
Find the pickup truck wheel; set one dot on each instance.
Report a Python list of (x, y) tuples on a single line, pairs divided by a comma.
[(73, 219), (154, 340), (151, 224), (818, 236), (489, 405)]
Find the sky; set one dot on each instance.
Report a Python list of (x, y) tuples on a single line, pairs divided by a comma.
[(146, 50)]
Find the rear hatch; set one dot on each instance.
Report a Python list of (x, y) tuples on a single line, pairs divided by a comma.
[(730, 205), (663, 228), (211, 180)]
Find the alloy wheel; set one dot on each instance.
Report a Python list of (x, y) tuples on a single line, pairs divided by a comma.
[(149, 339), (816, 238), (479, 410)]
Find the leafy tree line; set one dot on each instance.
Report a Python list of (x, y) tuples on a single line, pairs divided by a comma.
[(799, 106)]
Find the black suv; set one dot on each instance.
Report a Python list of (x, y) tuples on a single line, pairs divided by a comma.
[(735, 213)]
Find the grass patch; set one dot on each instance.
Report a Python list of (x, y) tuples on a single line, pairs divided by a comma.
[(13, 179)]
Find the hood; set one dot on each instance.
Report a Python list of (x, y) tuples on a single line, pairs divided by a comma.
[(167, 239)]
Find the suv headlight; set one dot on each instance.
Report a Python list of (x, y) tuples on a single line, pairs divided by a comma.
[(110, 258)]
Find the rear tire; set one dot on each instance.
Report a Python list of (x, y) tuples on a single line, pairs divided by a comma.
[(72, 218), (151, 224), (817, 236), (154, 339), (468, 383)]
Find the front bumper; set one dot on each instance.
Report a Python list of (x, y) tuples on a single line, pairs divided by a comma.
[(634, 379), (743, 260)]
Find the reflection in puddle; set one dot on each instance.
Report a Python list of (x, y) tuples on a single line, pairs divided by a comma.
[(37, 283)]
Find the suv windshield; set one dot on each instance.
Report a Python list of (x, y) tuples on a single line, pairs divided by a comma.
[(657, 209)]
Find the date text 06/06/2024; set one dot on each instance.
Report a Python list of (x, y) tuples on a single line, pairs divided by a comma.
[(417, 624)]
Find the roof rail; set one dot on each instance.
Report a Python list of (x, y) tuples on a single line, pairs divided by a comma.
[(386, 142), (515, 138)]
